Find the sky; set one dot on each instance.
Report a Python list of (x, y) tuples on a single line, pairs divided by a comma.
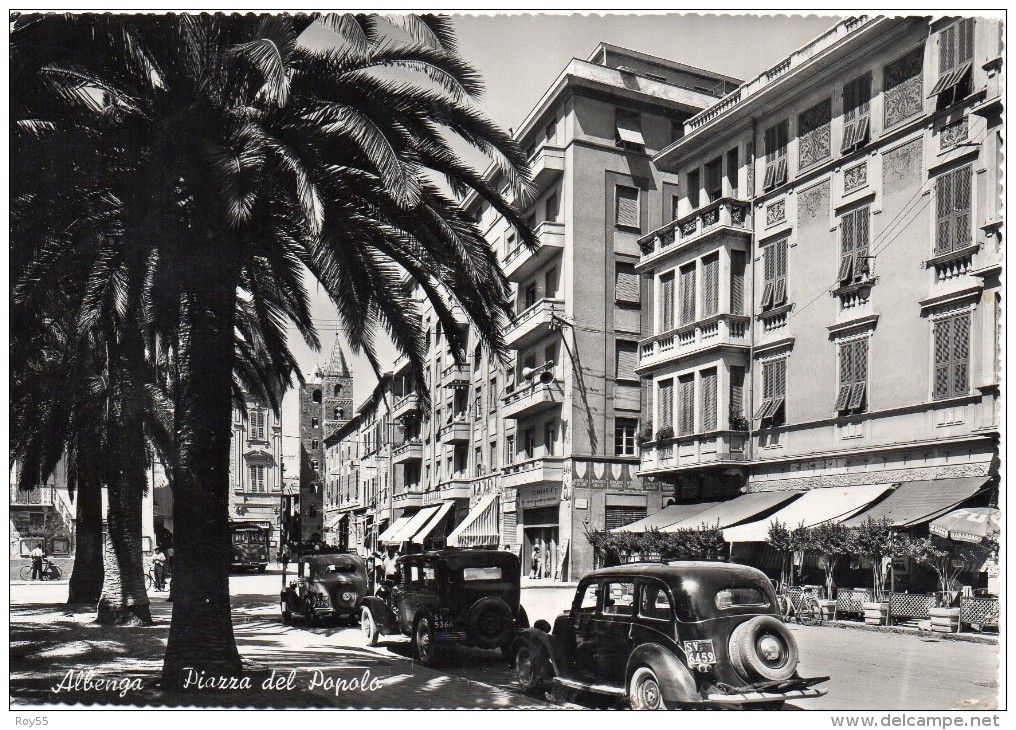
[(519, 56)]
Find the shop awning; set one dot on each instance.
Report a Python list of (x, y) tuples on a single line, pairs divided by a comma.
[(830, 504), (735, 511), (666, 517), (413, 526), (394, 528), (433, 522), (479, 527), (914, 503), (970, 524)]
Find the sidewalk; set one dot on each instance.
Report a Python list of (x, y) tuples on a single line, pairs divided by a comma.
[(972, 637)]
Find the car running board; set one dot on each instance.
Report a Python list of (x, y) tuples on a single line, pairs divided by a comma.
[(746, 697), (603, 689)]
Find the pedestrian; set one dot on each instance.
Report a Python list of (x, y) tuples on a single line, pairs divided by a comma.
[(37, 556), (548, 561), (284, 556), (170, 559), (390, 563), (534, 571), (159, 567)]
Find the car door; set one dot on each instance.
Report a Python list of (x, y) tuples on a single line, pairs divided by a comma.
[(405, 599), (654, 619), (612, 628), (302, 578), (581, 647)]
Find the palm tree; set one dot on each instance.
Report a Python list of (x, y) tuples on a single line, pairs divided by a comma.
[(239, 150)]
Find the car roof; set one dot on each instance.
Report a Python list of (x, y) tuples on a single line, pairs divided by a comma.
[(333, 557), (676, 572), (467, 556)]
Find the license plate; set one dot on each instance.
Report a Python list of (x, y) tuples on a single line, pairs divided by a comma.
[(700, 652)]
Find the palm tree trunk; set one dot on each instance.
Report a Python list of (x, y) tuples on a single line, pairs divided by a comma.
[(87, 574), (201, 633)]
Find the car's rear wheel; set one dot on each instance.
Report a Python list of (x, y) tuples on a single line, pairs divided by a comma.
[(763, 648), (644, 691), (529, 669), (369, 627), (423, 641)]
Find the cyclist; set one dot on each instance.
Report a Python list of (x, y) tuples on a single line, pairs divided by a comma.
[(37, 555), (159, 565)]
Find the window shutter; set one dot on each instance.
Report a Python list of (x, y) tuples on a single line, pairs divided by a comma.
[(627, 214), (861, 223), (942, 334), (944, 214), (769, 275), (860, 376), (709, 416), (961, 207), (780, 385), (965, 41), (846, 375), (666, 408), (737, 390), (947, 49), (711, 277), (767, 390), (737, 262), (863, 110), (688, 295), (846, 248), (960, 354), (780, 272), (687, 383), (667, 302), (627, 359), (849, 115), (626, 284)]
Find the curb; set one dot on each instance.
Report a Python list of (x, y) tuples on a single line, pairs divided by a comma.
[(905, 630)]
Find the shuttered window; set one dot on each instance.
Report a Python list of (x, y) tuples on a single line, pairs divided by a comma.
[(688, 294), (737, 270), (955, 57), (626, 284), (813, 136), (852, 394), (952, 356), (856, 113), (711, 285), (774, 393), (615, 517), (854, 239), (667, 302), (709, 393), (774, 290), (737, 374), (509, 532), (776, 155), (627, 207), (687, 413), (952, 210), (627, 359), (666, 405)]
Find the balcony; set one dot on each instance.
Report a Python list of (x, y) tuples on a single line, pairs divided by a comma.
[(533, 398), (455, 376), (401, 364), (954, 264), (458, 431), (407, 405), (533, 323), (412, 496), (520, 264), (717, 448), (458, 487), (532, 472), (721, 330), (411, 450), (725, 215), (41, 496), (546, 166)]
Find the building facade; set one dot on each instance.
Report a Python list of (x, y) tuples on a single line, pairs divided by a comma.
[(326, 403), (825, 294), (255, 466)]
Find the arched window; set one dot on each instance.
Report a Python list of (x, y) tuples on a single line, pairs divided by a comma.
[(317, 395), (338, 390), (337, 414)]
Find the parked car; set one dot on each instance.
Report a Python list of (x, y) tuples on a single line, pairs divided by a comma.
[(330, 585), (447, 597), (669, 635)]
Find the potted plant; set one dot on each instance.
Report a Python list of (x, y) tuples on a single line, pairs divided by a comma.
[(665, 434), (786, 542), (948, 559), (832, 541), (737, 420), (880, 543), (646, 434)]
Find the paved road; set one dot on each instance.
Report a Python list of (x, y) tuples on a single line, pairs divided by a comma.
[(869, 670)]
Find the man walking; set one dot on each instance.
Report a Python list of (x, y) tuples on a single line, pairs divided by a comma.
[(159, 566), (37, 555)]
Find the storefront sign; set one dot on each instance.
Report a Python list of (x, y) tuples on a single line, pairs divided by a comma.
[(581, 503), (609, 475), (542, 496)]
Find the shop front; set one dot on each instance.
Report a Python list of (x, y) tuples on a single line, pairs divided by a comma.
[(539, 512)]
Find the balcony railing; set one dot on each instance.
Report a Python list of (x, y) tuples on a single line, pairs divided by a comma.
[(455, 375), (405, 405), (545, 165), (533, 397), (411, 450), (954, 264), (457, 431), (520, 263), (532, 471), (457, 487), (721, 329), (719, 215), (36, 496), (717, 447), (533, 323)]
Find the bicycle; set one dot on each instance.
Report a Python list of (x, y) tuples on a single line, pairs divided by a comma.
[(150, 578), (804, 608), (49, 571)]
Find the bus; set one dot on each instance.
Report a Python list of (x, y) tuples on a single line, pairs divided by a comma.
[(250, 545)]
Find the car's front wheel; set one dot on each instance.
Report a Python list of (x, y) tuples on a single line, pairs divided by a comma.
[(426, 647), (369, 627), (644, 691), (312, 617), (287, 616), (529, 669)]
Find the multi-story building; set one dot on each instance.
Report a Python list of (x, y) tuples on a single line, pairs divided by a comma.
[(825, 294), (255, 466), (325, 404)]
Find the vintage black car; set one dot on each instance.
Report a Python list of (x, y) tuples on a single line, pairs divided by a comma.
[(329, 585), (448, 597), (669, 635)]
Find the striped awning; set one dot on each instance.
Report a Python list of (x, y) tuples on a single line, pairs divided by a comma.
[(393, 529), (666, 517), (433, 522), (480, 526), (410, 528)]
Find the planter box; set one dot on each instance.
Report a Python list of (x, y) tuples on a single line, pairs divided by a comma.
[(876, 614), (828, 609), (945, 620)]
